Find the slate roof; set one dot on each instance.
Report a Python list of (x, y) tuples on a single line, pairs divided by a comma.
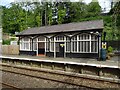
[(70, 27)]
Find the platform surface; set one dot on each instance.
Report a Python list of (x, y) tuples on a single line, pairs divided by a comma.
[(114, 62)]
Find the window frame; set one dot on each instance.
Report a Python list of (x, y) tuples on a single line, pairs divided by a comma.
[(23, 44), (86, 39)]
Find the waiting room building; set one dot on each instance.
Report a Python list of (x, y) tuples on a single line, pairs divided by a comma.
[(74, 40)]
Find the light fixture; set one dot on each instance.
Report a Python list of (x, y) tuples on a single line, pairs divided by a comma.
[(97, 32), (91, 32)]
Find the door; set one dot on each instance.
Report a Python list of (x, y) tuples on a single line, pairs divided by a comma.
[(61, 50), (41, 48)]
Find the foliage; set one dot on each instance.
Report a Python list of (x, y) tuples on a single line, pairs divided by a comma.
[(115, 13), (61, 15), (110, 49), (6, 42)]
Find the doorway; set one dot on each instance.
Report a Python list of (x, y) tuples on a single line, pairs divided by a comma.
[(60, 49), (41, 48)]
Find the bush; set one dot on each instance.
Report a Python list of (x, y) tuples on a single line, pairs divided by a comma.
[(110, 49), (6, 42)]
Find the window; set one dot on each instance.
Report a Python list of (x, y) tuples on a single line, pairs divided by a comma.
[(52, 44), (94, 46), (35, 44), (84, 43), (67, 43), (57, 47), (67, 46), (74, 44), (25, 44), (94, 43), (41, 39), (47, 45), (59, 38)]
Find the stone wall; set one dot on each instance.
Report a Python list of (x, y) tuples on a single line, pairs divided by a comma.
[(10, 49)]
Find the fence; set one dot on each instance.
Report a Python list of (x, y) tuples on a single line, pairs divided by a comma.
[(114, 44), (10, 49)]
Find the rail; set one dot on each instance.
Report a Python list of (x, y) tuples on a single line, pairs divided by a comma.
[(70, 75)]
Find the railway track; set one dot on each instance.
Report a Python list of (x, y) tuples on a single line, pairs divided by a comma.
[(9, 86), (46, 78), (40, 77)]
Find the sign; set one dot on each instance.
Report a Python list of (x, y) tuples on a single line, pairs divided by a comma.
[(62, 45), (104, 44)]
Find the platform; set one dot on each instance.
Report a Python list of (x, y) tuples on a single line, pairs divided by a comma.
[(114, 62)]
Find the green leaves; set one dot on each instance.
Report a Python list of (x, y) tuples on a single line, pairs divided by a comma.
[(61, 15)]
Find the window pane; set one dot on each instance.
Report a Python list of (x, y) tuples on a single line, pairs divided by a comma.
[(87, 45), (80, 37), (60, 38), (52, 39), (52, 46), (67, 39), (47, 46), (25, 39), (57, 47), (94, 46), (27, 46), (93, 37), (41, 38), (35, 40), (21, 45), (30, 45), (74, 38), (67, 46), (74, 46), (34, 46)]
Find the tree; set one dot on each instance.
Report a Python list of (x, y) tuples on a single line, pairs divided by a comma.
[(13, 19), (22, 15), (115, 12), (93, 10), (61, 13)]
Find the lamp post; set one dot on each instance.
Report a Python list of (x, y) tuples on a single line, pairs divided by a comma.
[(99, 43)]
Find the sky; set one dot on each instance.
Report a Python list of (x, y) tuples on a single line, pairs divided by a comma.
[(103, 3)]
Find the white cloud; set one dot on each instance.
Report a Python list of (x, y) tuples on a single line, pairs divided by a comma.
[(87, 1), (5, 2)]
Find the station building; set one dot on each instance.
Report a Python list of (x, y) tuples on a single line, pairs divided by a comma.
[(74, 40)]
